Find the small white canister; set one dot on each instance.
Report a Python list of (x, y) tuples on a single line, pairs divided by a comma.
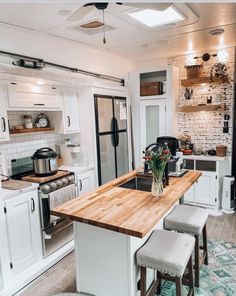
[(28, 121)]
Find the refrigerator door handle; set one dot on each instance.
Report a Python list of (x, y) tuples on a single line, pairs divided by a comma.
[(116, 128)]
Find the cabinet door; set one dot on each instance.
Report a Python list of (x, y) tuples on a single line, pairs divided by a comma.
[(205, 189), (189, 195), (4, 129), (24, 95), (71, 118), (85, 182), (152, 121), (23, 230)]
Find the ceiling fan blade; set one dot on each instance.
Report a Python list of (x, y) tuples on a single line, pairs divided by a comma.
[(154, 6), (80, 13)]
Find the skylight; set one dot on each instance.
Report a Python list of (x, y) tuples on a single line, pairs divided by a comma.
[(154, 18)]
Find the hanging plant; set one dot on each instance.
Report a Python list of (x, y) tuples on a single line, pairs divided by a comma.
[(219, 70)]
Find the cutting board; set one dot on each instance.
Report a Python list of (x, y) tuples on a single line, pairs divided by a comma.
[(15, 185), (35, 179)]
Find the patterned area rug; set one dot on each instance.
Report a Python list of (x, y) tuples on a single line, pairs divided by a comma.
[(219, 277)]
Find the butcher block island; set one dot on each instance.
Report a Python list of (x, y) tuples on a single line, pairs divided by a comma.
[(111, 223)]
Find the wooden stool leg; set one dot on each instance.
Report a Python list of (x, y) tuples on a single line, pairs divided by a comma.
[(143, 281), (178, 284), (190, 276), (196, 265), (205, 248), (158, 283)]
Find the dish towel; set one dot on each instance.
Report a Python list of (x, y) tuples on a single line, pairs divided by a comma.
[(61, 196)]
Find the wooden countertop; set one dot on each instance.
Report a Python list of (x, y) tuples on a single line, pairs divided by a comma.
[(127, 211)]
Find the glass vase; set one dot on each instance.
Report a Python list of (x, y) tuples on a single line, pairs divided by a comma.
[(157, 186)]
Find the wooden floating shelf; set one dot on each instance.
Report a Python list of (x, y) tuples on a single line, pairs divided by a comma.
[(31, 130), (219, 107), (201, 80)]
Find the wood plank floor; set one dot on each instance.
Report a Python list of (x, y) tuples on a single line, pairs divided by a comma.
[(61, 277)]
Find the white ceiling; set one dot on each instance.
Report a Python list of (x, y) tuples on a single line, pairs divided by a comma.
[(127, 37)]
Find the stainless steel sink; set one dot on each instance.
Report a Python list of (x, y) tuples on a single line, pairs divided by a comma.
[(138, 183)]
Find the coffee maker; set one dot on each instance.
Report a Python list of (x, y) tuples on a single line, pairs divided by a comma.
[(175, 164)]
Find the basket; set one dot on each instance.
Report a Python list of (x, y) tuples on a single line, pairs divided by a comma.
[(221, 150), (151, 88), (194, 71)]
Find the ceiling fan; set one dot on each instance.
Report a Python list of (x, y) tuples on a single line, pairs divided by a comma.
[(80, 13)]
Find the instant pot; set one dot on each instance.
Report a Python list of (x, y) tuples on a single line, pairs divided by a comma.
[(45, 162)]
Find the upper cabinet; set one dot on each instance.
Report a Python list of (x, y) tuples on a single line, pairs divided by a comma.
[(71, 118), (154, 97), (4, 128), (68, 121), (28, 96)]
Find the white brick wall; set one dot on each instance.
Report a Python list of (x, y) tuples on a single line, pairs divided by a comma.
[(206, 128)]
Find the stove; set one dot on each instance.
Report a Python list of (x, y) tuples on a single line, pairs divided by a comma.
[(52, 191)]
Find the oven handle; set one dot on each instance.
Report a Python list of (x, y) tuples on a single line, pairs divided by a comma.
[(56, 229)]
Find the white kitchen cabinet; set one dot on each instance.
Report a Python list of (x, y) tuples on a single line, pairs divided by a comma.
[(205, 189), (23, 230), (67, 121), (189, 195), (85, 182), (153, 121), (71, 118), (4, 128), (208, 190), (153, 115), (28, 96)]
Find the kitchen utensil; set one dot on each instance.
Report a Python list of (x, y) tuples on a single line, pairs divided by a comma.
[(45, 162)]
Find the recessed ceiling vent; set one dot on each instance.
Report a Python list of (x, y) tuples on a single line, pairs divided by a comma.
[(92, 27), (216, 32)]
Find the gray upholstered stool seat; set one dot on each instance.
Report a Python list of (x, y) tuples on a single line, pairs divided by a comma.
[(188, 219), (167, 252), (170, 254), (191, 219)]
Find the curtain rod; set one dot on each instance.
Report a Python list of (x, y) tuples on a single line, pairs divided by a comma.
[(75, 70)]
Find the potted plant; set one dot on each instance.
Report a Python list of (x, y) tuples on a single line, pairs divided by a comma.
[(219, 70)]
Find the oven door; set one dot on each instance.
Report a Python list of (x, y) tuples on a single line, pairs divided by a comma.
[(50, 201), (56, 231), (57, 236)]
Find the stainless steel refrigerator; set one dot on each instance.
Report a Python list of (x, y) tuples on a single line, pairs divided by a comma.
[(112, 137)]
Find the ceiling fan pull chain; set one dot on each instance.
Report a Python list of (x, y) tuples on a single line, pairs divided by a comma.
[(104, 37)]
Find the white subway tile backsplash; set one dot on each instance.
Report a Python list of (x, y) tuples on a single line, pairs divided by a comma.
[(25, 145)]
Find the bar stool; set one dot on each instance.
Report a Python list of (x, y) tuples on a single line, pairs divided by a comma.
[(191, 220), (169, 253)]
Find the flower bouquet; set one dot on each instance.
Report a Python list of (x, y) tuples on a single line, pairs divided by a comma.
[(157, 161)]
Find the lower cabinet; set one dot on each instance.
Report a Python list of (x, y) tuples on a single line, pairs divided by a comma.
[(85, 182), (208, 190), (204, 191), (23, 230)]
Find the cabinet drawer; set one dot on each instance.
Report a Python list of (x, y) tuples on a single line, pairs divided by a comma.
[(206, 165)]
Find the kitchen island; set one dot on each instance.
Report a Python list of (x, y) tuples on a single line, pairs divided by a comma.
[(112, 222)]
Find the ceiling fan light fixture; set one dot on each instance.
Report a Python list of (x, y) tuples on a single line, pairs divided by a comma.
[(92, 25), (154, 18)]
